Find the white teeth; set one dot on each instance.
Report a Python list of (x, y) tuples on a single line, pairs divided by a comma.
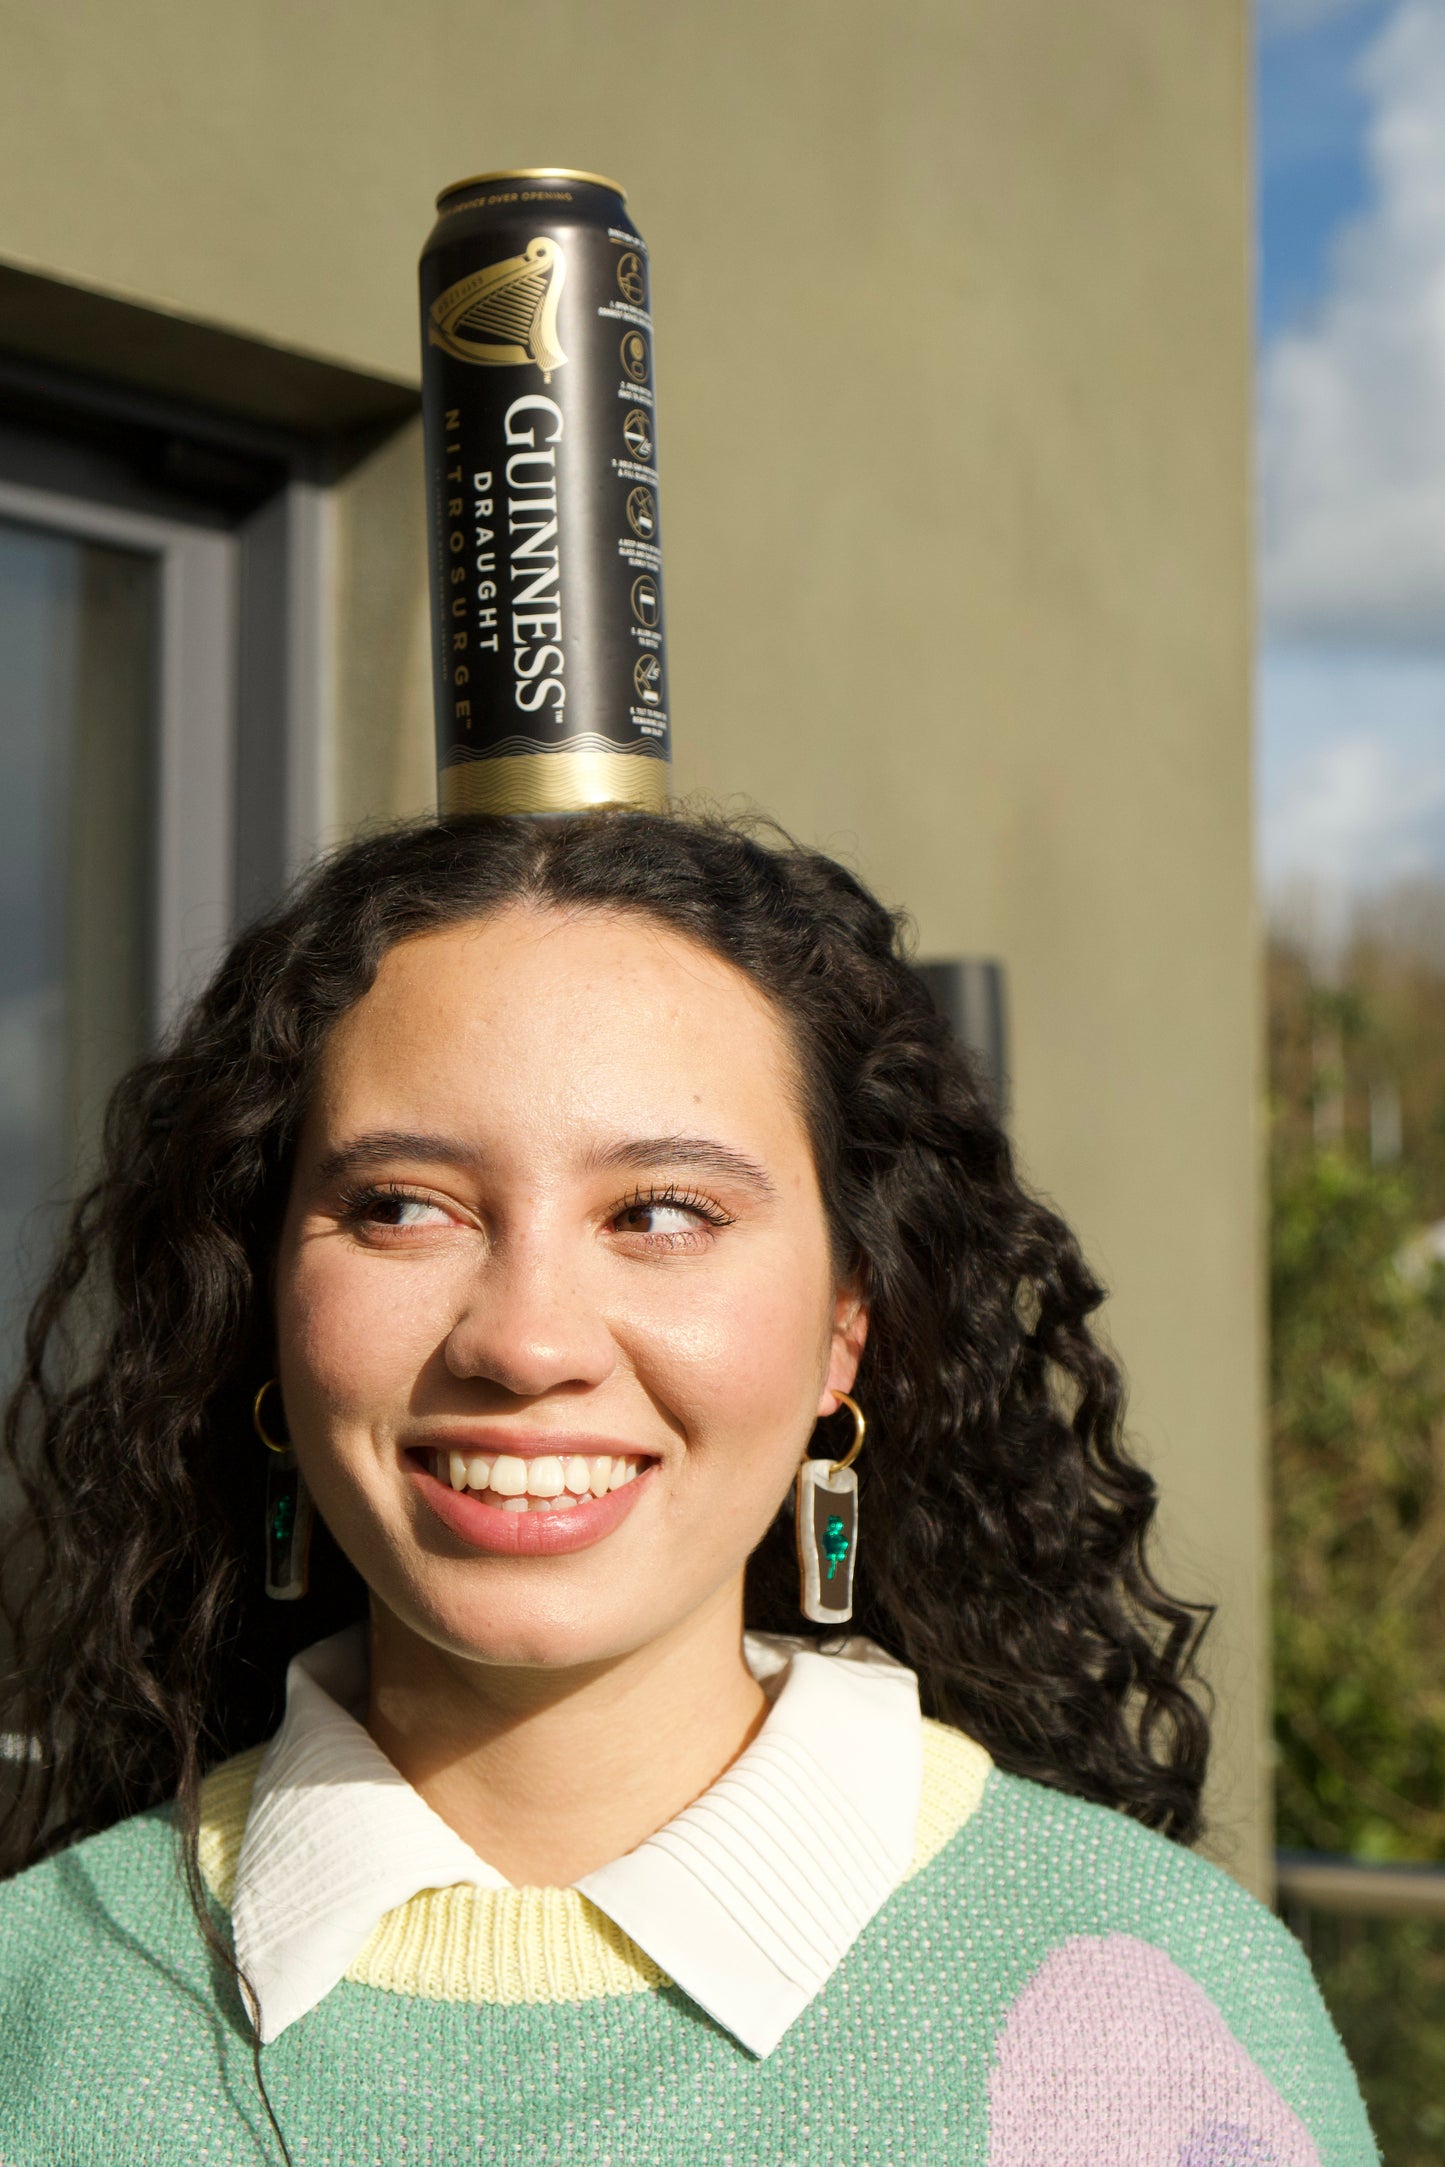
[(550, 1484)]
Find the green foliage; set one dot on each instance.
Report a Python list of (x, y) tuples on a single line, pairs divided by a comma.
[(1358, 1400), (1384, 1980), (1357, 1410), (1357, 1393)]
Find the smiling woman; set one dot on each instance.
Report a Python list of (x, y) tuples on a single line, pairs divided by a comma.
[(541, 1192), (546, 1293)]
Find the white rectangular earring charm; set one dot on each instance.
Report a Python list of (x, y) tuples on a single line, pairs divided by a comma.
[(827, 1521)]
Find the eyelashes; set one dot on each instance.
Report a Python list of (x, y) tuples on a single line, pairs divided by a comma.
[(669, 1198), (367, 1203), (362, 1205)]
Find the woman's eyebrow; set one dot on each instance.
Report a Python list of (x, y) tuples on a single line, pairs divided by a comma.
[(383, 1144), (637, 1154), (634, 1154)]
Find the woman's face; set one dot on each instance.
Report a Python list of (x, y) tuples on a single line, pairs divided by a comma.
[(555, 1302)]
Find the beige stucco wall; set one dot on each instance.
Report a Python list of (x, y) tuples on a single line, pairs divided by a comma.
[(952, 303)]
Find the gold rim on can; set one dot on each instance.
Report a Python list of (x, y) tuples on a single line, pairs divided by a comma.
[(532, 173), (554, 782)]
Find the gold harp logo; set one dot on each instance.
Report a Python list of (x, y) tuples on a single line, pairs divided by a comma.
[(505, 316)]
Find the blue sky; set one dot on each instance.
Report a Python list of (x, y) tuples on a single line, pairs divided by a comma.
[(1351, 164), (1311, 165)]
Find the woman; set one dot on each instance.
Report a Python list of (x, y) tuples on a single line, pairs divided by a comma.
[(547, 1189)]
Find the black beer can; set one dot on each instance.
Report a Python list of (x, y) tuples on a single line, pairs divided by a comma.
[(545, 545)]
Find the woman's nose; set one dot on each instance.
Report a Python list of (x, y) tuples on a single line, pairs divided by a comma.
[(531, 1325)]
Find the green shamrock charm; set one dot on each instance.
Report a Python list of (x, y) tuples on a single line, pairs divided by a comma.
[(283, 1517), (835, 1544)]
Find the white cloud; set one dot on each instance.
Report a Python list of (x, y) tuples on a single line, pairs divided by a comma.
[(1352, 406), (1357, 810), (1352, 773)]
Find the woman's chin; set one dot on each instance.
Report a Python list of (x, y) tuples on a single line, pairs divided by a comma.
[(542, 1631)]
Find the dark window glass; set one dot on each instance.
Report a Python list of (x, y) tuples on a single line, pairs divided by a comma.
[(78, 732)]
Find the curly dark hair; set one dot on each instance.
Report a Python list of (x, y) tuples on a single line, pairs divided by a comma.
[(1005, 1523)]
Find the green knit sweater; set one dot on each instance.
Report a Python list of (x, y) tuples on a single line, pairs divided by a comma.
[(1053, 1986)]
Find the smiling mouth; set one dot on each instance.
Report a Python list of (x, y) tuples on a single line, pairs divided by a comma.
[(546, 1484)]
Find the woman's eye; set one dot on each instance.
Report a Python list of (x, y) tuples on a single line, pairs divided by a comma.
[(412, 1211), (670, 1222), (394, 1210), (659, 1219)]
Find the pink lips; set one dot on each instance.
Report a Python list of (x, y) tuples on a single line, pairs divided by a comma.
[(526, 1534)]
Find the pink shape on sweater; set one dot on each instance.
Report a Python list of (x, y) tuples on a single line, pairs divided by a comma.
[(1114, 2057)]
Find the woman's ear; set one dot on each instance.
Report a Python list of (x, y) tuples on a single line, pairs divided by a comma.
[(850, 1334)]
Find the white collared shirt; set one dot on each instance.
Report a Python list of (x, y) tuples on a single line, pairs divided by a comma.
[(748, 1900)]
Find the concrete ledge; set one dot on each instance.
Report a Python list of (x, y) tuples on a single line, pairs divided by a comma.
[(124, 342)]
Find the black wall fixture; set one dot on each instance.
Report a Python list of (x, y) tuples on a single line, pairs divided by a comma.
[(969, 991)]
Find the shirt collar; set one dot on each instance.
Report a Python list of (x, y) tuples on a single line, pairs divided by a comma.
[(748, 1900)]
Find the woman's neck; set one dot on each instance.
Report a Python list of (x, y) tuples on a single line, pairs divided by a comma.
[(549, 1774)]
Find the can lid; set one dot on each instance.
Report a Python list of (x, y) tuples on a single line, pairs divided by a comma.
[(532, 173)]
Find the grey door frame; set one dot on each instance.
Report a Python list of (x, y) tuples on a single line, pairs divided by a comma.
[(231, 679)]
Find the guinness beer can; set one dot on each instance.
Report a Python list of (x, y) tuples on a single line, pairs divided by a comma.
[(541, 445)]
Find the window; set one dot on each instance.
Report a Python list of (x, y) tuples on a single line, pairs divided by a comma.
[(163, 750), (78, 634), (117, 636)]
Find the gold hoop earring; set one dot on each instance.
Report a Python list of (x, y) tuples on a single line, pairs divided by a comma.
[(272, 1444), (289, 1512), (825, 1505), (860, 1431)]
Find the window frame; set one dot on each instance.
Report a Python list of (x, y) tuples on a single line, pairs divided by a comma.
[(245, 680), (193, 876)]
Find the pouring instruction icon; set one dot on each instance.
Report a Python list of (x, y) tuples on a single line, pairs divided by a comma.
[(637, 436), (646, 601), (631, 278), (642, 513)]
